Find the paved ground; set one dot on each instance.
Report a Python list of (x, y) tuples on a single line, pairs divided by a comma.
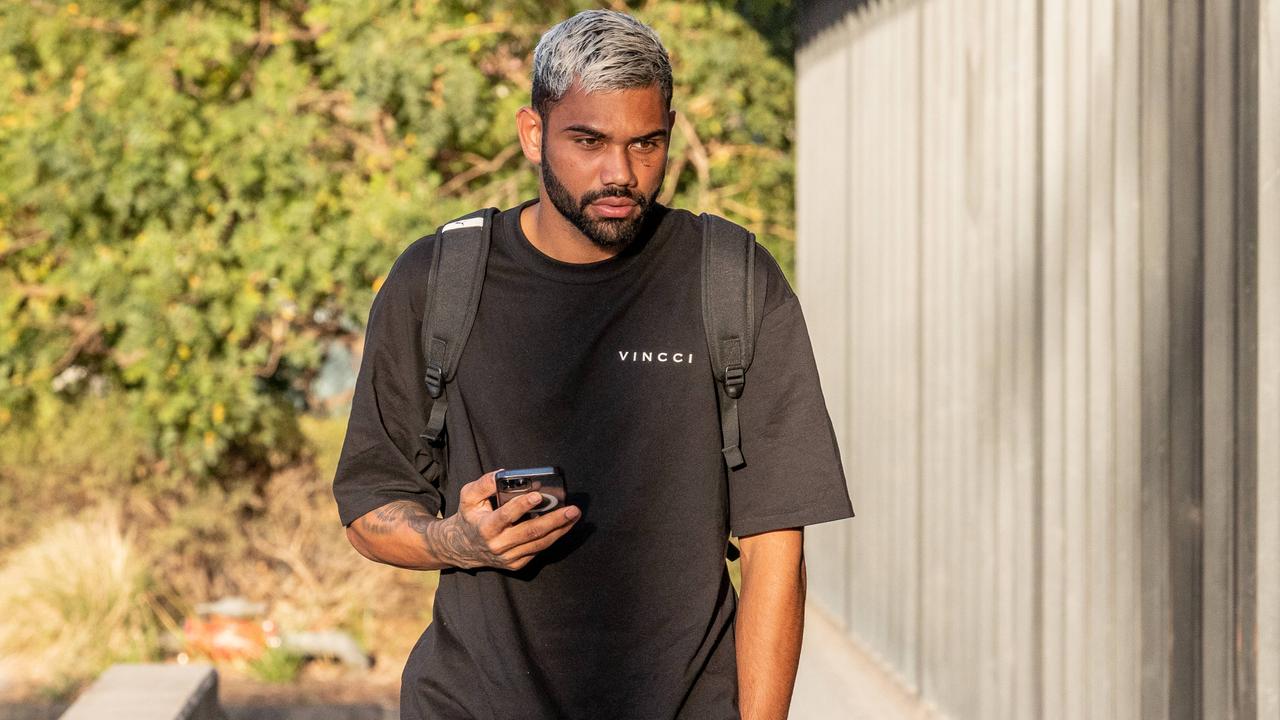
[(837, 681)]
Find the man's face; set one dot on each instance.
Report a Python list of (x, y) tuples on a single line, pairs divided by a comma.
[(603, 157)]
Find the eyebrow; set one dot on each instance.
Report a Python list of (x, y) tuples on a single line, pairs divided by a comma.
[(585, 130)]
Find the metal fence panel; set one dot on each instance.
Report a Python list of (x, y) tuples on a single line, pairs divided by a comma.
[(1045, 388)]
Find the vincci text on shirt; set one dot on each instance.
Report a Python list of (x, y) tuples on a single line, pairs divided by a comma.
[(647, 356)]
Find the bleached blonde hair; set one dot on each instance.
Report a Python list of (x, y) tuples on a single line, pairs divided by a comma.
[(601, 50)]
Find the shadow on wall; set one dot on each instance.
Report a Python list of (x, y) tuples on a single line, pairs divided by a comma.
[(818, 15)]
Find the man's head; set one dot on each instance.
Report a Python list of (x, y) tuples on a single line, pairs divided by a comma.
[(600, 50), (600, 122)]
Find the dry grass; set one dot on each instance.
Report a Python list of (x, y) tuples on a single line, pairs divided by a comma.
[(311, 576), (315, 580), (76, 600), (105, 586)]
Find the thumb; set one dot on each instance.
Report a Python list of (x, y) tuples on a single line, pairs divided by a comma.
[(479, 490)]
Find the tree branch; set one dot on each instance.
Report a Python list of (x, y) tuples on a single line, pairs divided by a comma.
[(114, 27), (22, 243), (88, 334), (697, 153), (484, 167)]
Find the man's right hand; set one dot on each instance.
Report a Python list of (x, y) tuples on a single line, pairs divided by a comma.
[(403, 534)]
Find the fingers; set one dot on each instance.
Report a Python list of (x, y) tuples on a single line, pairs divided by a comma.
[(478, 490), (500, 537), (534, 530), (520, 555), (513, 510)]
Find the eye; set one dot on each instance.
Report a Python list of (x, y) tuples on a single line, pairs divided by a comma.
[(645, 145), (587, 142)]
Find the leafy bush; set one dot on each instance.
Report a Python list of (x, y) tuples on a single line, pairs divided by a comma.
[(198, 200), (62, 459)]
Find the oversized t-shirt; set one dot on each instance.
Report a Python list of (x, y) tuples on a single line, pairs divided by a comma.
[(600, 369)]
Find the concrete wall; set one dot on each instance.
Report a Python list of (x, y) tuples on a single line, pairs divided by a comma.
[(1267, 450), (1038, 254)]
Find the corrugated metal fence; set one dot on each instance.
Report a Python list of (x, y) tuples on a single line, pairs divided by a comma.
[(1039, 249)]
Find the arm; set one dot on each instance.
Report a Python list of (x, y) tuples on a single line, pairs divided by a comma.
[(402, 533), (770, 622)]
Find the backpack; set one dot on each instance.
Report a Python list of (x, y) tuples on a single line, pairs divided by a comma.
[(457, 278)]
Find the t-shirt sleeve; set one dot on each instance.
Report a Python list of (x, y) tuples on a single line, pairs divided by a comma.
[(382, 459), (793, 475)]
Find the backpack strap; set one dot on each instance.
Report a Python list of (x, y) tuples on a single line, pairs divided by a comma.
[(728, 314), (453, 295)]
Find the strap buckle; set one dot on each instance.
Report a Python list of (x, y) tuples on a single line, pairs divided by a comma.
[(434, 379), (735, 378)]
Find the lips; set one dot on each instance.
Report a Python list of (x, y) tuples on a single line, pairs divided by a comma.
[(614, 207)]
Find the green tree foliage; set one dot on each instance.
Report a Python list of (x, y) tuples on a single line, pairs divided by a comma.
[(198, 199)]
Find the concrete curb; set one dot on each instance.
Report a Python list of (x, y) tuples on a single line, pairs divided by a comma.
[(150, 692)]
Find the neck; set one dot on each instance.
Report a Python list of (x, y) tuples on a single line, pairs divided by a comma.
[(554, 236)]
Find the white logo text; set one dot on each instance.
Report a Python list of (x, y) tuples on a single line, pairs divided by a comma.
[(648, 356)]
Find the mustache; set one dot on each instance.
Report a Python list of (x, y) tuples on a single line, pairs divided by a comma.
[(609, 192)]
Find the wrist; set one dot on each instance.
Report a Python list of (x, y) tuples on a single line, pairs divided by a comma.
[(453, 541)]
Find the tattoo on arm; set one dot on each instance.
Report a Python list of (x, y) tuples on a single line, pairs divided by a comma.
[(391, 516), (451, 540), (460, 544)]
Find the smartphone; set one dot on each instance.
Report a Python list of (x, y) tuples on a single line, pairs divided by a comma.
[(546, 481)]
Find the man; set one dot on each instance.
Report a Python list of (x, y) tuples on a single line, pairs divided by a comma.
[(588, 353)]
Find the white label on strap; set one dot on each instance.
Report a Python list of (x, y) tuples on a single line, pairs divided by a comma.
[(464, 223)]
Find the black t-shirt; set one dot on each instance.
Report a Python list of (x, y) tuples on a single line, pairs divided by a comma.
[(602, 370)]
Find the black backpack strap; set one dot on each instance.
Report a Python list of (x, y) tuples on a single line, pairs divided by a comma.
[(728, 314), (453, 295)]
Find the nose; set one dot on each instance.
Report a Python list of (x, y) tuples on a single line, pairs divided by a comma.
[(616, 169)]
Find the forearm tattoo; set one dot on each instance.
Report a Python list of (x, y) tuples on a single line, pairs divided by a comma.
[(452, 540), (390, 517)]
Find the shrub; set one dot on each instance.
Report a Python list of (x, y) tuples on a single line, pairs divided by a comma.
[(198, 200), (62, 459), (75, 601)]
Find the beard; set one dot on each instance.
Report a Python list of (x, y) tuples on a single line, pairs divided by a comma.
[(608, 233)]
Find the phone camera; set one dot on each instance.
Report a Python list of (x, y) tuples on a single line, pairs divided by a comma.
[(515, 484)]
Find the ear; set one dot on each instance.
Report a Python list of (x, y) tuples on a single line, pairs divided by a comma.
[(529, 129)]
